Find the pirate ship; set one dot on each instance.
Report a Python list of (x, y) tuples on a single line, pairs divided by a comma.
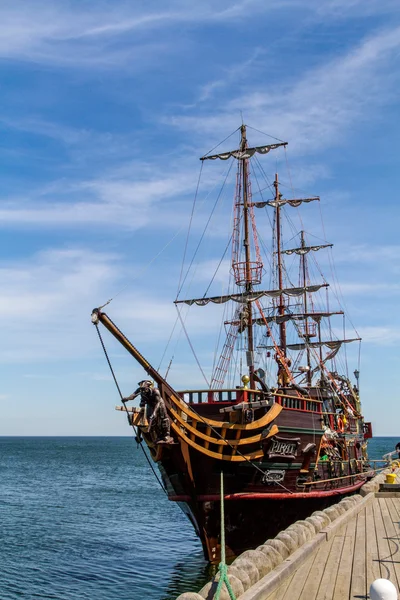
[(280, 418)]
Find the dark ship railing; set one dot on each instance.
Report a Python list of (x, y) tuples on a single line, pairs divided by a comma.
[(237, 395)]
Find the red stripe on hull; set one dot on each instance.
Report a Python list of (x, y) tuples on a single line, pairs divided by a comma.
[(271, 496)]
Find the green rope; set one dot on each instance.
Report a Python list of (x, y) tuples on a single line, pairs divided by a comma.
[(223, 569)]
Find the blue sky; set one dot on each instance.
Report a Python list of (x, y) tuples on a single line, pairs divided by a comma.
[(105, 109)]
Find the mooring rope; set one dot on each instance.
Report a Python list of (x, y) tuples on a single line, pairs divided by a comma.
[(222, 568), (138, 440)]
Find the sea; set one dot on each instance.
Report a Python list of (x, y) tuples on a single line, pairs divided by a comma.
[(85, 518)]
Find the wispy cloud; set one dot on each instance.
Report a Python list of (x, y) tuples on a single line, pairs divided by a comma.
[(373, 288), (230, 75), (381, 336), (46, 301), (119, 200), (79, 36), (57, 34), (129, 195), (387, 256), (83, 37), (316, 109), (357, 8)]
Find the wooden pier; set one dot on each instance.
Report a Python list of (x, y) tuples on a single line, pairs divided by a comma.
[(354, 543), (360, 548)]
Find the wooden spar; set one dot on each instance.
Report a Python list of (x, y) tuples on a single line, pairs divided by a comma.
[(307, 337), (246, 243), (281, 307), (129, 409), (98, 316), (173, 396), (321, 358)]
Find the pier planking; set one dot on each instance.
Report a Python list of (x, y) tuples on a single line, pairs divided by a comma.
[(365, 549)]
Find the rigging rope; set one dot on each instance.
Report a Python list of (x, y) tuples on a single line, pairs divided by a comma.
[(323, 366), (227, 138), (189, 229), (267, 134), (168, 343), (218, 266), (335, 278), (126, 410), (205, 229), (191, 345)]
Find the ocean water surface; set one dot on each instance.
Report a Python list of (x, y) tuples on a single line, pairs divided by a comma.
[(84, 518)]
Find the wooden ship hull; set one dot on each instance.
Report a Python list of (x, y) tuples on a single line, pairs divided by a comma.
[(287, 484), (268, 445), (259, 503)]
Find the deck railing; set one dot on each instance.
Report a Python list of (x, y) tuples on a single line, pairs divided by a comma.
[(296, 403), (237, 395)]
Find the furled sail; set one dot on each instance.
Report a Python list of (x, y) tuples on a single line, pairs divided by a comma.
[(295, 202), (331, 344), (306, 249), (252, 296), (243, 154), (278, 319)]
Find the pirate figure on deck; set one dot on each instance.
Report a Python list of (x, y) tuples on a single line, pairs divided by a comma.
[(156, 413), (398, 449), (283, 367)]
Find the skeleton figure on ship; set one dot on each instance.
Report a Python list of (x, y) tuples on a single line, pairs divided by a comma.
[(153, 406)]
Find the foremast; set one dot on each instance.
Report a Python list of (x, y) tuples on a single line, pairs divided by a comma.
[(247, 272), (236, 265)]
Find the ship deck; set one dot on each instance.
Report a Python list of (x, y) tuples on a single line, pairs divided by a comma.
[(366, 548)]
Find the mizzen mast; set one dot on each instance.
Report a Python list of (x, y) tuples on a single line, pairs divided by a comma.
[(307, 333)]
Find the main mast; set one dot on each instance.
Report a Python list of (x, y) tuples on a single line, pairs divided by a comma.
[(246, 244)]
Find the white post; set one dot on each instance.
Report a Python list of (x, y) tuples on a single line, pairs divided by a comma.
[(382, 589)]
